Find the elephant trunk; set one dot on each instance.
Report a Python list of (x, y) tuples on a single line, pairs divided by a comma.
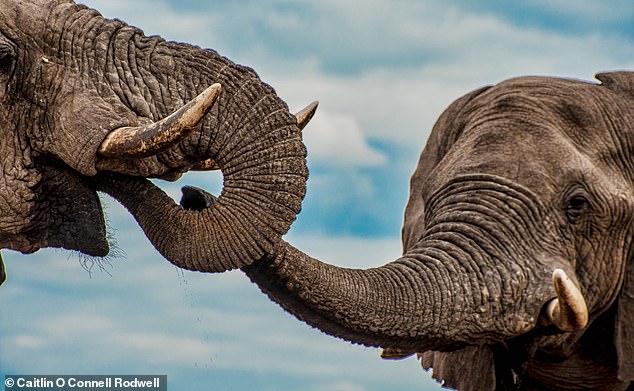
[(467, 281), (256, 142), (256, 207), (248, 132), (416, 303), (265, 176)]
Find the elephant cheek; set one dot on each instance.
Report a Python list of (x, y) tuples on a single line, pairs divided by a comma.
[(71, 213), (77, 126)]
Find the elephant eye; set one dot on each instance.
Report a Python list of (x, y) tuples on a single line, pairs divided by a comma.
[(576, 206), (7, 56), (6, 59)]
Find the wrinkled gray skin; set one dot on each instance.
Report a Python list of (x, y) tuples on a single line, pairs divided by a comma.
[(516, 180)]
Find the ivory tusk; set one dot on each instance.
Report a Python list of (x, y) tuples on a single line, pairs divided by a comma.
[(148, 140), (306, 114), (568, 311)]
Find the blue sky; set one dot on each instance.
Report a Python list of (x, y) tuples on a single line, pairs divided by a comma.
[(383, 71)]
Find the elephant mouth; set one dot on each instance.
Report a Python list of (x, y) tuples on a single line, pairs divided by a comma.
[(65, 212)]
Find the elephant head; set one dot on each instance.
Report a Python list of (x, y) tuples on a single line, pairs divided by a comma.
[(87, 104), (516, 271)]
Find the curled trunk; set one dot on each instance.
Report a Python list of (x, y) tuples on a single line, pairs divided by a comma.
[(264, 183), (257, 206), (248, 133)]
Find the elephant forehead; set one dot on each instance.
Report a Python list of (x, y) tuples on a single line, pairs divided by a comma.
[(530, 126), (535, 158), (22, 14)]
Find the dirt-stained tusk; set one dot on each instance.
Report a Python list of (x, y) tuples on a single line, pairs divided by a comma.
[(150, 139), (306, 114), (567, 312)]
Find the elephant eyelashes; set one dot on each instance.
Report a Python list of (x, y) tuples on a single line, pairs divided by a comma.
[(7, 55), (5, 59), (576, 206)]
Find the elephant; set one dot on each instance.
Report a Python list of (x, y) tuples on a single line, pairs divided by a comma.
[(84, 98), (516, 269)]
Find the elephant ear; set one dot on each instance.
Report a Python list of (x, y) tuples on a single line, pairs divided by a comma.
[(624, 332), (444, 134), (623, 84), (468, 369)]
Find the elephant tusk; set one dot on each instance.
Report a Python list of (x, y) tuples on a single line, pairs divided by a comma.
[(306, 114), (148, 140), (567, 312)]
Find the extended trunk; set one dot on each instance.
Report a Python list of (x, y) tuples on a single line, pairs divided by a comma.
[(479, 274), (420, 302)]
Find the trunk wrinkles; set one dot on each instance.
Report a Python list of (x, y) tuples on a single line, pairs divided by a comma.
[(449, 290)]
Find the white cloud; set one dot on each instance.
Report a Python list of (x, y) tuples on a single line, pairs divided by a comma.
[(29, 342), (335, 139), (401, 105), (399, 110), (157, 18), (595, 11)]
